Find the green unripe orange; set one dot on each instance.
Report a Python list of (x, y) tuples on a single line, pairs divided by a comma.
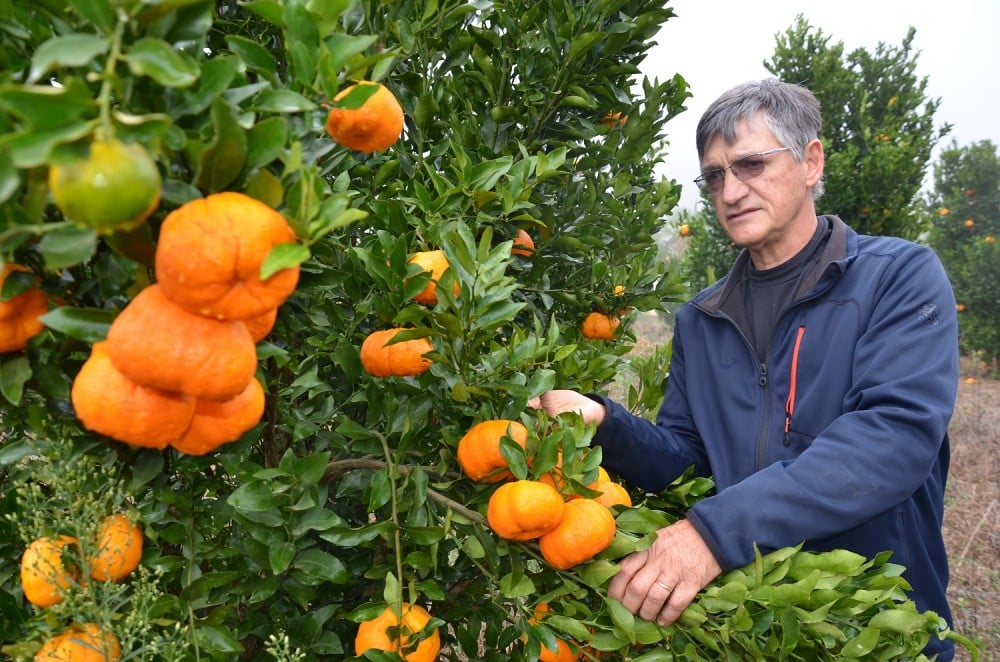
[(115, 187)]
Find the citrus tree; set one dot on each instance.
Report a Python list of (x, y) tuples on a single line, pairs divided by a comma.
[(281, 278), (964, 208)]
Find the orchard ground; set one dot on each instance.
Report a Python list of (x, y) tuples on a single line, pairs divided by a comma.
[(972, 499)]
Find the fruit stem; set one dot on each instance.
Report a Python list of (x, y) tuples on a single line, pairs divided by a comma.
[(390, 468), (106, 129)]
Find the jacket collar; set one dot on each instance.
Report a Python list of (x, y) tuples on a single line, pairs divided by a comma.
[(840, 248)]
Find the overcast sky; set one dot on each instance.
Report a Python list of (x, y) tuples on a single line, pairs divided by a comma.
[(716, 44)]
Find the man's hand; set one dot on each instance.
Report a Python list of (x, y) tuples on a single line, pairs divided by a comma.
[(560, 401), (660, 582)]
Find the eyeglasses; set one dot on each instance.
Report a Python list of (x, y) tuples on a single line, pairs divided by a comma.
[(743, 168)]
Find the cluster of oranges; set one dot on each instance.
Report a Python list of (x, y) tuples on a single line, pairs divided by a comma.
[(570, 528), (48, 572), (19, 315), (178, 365)]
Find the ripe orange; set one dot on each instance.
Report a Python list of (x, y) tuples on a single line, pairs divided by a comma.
[(217, 423), (118, 549), (524, 509), (401, 359), (109, 403), (436, 263), (261, 325), (586, 529), (19, 315), (598, 326), (969, 223), (684, 230), (524, 245), (613, 119), (45, 574), (374, 634), (612, 494), (159, 344), (87, 643), (563, 652), (116, 186), (479, 449), (373, 126), (209, 255)]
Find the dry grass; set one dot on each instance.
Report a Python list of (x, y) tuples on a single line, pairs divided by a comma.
[(972, 514)]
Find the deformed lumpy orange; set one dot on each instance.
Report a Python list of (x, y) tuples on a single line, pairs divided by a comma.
[(209, 255)]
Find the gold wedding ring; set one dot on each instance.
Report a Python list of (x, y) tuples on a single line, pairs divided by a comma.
[(666, 588)]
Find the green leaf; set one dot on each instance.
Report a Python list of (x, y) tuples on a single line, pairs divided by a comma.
[(157, 59), (484, 176), (98, 12), (67, 247), (902, 621), (516, 586), (14, 374), (861, 645), (47, 107), (74, 50), (283, 256), (256, 57), (217, 638), (253, 497), (582, 44), (222, 161), (322, 567), (282, 101), (266, 141), (280, 556), (89, 325), (341, 47)]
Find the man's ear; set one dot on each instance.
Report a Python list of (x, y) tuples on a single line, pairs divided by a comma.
[(814, 160)]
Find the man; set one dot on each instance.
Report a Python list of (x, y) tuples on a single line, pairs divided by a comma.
[(814, 383)]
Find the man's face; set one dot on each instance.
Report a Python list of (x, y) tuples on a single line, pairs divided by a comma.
[(769, 211)]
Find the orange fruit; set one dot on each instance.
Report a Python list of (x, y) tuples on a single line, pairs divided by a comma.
[(261, 325), (401, 359), (109, 403), (598, 326), (436, 263), (524, 509), (684, 230), (586, 529), (217, 423), (118, 549), (613, 119), (563, 652), (88, 643), (374, 634), (159, 344), (479, 449), (969, 223), (375, 125), (612, 494), (210, 251), (19, 315), (45, 575), (524, 245), (116, 186)]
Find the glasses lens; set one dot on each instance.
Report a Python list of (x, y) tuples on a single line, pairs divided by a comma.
[(712, 180), (748, 167)]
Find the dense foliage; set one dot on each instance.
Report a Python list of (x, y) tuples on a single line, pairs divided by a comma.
[(347, 496), (965, 211)]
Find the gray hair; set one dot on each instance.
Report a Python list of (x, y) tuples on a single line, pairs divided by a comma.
[(790, 111)]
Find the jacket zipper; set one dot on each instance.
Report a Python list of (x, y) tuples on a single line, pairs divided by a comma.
[(792, 381)]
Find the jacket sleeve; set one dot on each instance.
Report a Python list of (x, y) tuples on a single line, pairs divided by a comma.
[(647, 455), (884, 446)]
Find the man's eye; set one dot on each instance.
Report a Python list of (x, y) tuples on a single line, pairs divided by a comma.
[(713, 176)]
